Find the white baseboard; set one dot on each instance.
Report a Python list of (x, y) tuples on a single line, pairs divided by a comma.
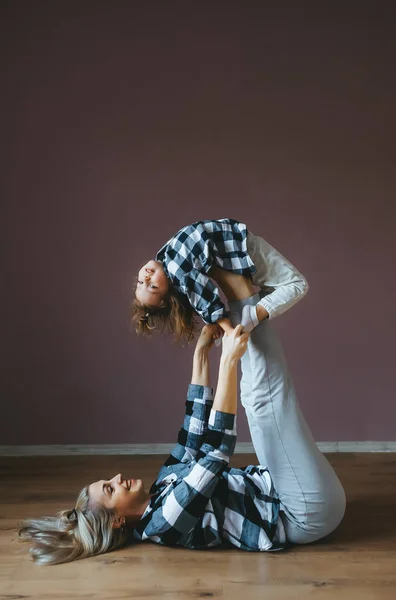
[(110, 449)]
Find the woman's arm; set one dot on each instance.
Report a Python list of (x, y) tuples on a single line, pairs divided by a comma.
[(201, 374), (234, 346), (198, 404), (177, 515)]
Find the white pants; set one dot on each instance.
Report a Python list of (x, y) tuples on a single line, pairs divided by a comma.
[(312, 497)]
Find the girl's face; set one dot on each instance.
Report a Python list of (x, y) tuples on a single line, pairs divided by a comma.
[(124, 496), (152, 284)]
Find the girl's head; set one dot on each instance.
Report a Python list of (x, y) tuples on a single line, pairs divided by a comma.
[(158, 306), (152, 284), (101, 521)]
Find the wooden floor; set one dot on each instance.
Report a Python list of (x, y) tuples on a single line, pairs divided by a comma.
[(357, 561)]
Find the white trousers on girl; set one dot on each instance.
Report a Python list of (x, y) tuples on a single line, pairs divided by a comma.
[(312, 497)]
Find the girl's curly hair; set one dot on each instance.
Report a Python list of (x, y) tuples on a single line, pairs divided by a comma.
[(175, 315)]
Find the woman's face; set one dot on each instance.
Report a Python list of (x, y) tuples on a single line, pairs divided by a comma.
[(152, 284), (124, 496)]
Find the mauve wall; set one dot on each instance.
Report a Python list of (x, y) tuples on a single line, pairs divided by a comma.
[(124, 121)]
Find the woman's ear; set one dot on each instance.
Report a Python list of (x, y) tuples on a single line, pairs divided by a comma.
[(118, 522)]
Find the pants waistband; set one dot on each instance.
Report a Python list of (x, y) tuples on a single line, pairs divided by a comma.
[(237, 305)]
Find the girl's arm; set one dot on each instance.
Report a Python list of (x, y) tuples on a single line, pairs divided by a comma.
[(203, 296), (262, 313), (226, 325)]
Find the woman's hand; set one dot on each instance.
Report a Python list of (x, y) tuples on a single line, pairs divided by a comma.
[(208, 335), (234, 344)]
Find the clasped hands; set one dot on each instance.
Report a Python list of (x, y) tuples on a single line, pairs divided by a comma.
[(251, 317), (234, 343)]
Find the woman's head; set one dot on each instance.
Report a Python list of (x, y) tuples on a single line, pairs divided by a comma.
[(96, 525), (125, 498), (158, 306)]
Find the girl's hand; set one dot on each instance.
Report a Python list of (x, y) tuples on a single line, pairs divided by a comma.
[(226, 325), (235, 344), (208, 335)]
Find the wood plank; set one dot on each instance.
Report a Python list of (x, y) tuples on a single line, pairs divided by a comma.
[(356, 561)]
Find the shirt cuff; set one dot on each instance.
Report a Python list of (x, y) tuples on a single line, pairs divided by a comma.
[(200, 392), (221, 433), (271, 310), (215, 313), (222, 421)]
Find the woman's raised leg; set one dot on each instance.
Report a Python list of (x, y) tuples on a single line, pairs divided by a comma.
[(312, 497)]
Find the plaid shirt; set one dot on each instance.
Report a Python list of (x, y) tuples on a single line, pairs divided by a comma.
[(188, 256), (198, 501)]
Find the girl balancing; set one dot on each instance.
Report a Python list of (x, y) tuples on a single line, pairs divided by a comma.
[(177, 285)]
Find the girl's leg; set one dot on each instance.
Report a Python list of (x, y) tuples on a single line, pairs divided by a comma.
[(312, 497)]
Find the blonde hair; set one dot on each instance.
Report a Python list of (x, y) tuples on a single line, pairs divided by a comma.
[(73, 534), (175, 315)]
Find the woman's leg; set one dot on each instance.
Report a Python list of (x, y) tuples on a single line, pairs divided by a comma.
[(312, 497)]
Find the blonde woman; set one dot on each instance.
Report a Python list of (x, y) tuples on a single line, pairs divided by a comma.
[(198, 501)]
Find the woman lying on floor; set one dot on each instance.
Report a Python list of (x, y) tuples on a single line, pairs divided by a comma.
[(198, 501)]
